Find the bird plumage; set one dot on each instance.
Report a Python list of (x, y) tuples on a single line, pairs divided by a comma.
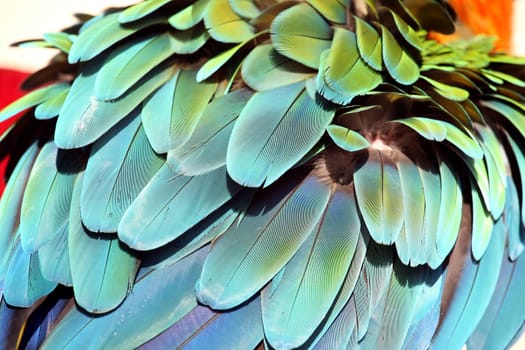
[(280, 174)]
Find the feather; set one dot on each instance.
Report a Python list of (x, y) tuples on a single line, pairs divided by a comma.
[(214, 64), (102, 269), (450, 213), (32, 99), (245, 8), (332, 10), (516, 243), (224, 24), (24, 283), (120, 164), (378, 189), (397, 61), (54, 259), (302, 41), (468, 288), (274, 131), (265, 69), (189, 16), (190, 41), (350, 79), (295, 305), (431, 129), (141, 10), (203, 327), (97, 36), (10, 206), (482, 224), (50, 108), (279, 223), (126, 65), (83, 119), (62, 41), (143, 315), (408, 33), (160, 212), (171, 113), (341, 318), (205, 150), (520, 165), (505, 312), (368, 43), (516, 116), (347, 139), (47, 197), (413, 197)]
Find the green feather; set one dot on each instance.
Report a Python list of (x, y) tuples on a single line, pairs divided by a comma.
[(141, 10), (214, 64), (369, 44), (302, 41), (343, 70), (448, 91), (32, 99), (378, 190), (190, 16), (347, 139), (61, 41), (224, 24), (332, 10), (126, 65), (160, 212), (482, 224), (265, 69), (50, 108), (172, 112), (245, 8), (431, 129), (190, 41), (397, 61)]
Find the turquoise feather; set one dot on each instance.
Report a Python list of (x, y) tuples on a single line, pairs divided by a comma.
[(159, 214), (141, 10), (47, 197), (97, 36), (140, 56), (280, 229), (378, 189), (121, 163), (51, 108), (10, 206), (256, 153), (83, 119), (24, 283), (102, 269), (206, 148), (516, 243), (171, 113), (308, 280), (54, 259)]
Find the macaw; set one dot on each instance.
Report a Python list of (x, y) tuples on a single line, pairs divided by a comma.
[(249, 174)]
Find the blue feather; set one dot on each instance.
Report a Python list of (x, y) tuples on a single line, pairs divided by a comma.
[(143, 315), (204, 328)]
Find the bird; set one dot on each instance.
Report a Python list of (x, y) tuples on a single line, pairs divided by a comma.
[(265, 174)]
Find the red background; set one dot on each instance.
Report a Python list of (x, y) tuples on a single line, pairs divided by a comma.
[(9, 91)]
